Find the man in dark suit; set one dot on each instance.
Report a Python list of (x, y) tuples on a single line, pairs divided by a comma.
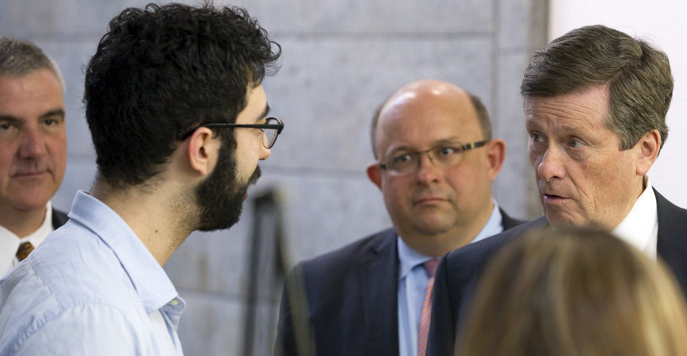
[(33, 148), (595, 107), (435, 162)]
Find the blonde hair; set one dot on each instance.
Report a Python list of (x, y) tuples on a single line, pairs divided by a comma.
[(575, 292)]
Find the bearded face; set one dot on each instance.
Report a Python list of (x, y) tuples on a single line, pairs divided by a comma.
[(220, 197)]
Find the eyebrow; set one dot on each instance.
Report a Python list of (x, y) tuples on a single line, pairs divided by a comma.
[(54, 112), (264, 113), (49, 113), (445, 141)]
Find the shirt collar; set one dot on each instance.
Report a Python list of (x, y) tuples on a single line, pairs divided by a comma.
[(9, 242), (147, 276), (493, 226), (410, 258), (636, 228)]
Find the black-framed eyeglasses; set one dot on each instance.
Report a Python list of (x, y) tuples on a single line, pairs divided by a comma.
[(444, 155), (270, 130)]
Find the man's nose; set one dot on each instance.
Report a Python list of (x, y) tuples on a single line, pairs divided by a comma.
[(264, 153), (551, 164), (427, 170), (32, 144)]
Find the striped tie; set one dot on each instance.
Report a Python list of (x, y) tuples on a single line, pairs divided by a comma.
[(426, 314), (24, 250)]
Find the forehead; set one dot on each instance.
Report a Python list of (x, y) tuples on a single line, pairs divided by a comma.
[(418, 120), (256, 105), (36, 89), (586, 110)]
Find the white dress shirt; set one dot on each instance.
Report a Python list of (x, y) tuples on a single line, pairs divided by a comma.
[(9, 242), (640, 226)]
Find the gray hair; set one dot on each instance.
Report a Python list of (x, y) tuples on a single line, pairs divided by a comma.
[(19, 58)]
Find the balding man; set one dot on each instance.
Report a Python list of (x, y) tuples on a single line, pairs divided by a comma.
[(435, 162)]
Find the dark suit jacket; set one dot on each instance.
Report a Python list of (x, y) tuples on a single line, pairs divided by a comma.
[(460, 270), (58, 218), (351, 299)]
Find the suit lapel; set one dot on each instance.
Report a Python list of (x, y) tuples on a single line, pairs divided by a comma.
[(379, 281), (672, 238), (58, 218), (509, 222)]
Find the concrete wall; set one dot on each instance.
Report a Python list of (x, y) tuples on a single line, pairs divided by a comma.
[(340, 60)]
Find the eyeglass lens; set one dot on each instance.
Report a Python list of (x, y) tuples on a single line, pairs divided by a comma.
[(270, 135)]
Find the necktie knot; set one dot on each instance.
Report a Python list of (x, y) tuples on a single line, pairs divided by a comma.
[(24, 250), (431, 267)]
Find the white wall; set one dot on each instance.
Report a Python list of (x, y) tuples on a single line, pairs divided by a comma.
[(662, 23)]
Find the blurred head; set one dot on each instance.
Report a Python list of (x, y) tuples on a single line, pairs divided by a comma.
[(575, 292), (33, 138), (436, 160), (595, 105), (166, 69)]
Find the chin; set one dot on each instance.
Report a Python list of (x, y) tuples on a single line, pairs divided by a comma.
[(558, 221)]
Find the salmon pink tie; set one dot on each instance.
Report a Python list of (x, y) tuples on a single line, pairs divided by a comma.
[(426, 314)]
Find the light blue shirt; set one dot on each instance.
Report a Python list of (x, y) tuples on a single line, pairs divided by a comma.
[(412, 284), (91, 288)]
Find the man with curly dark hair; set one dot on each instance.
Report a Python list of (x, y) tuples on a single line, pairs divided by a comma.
[(177, 113)]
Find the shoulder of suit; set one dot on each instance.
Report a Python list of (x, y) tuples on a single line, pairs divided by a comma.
[(380, 243), (476, 252)]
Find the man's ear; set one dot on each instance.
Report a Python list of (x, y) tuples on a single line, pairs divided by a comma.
[(647, 151), (374, 173), (496, 154), (202, 151)]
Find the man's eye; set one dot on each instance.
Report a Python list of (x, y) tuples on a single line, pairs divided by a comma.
[(535, 137), (5, 126), (402, 158), (447, 151), (576, 143)]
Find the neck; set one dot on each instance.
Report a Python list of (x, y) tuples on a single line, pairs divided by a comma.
[(22, 222), (154, 216), (616, 216)]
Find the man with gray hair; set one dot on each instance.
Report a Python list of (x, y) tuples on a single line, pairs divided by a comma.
[(595, 106), (33, 148)]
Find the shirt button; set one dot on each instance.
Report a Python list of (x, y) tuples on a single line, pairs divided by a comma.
[(174, 301)]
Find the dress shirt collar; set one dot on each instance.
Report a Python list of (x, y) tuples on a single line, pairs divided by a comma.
[(493, 226), (410, 258), (640, 226), (147, 276), (9, 242)]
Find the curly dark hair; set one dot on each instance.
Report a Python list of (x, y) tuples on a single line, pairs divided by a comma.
[(162, 70), (637, 74)]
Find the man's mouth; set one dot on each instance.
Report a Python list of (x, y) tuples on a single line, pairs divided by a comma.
[(553, 199), (429, 200), (29, 174)]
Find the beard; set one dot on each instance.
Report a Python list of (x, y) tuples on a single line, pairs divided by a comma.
[(220, 197)]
